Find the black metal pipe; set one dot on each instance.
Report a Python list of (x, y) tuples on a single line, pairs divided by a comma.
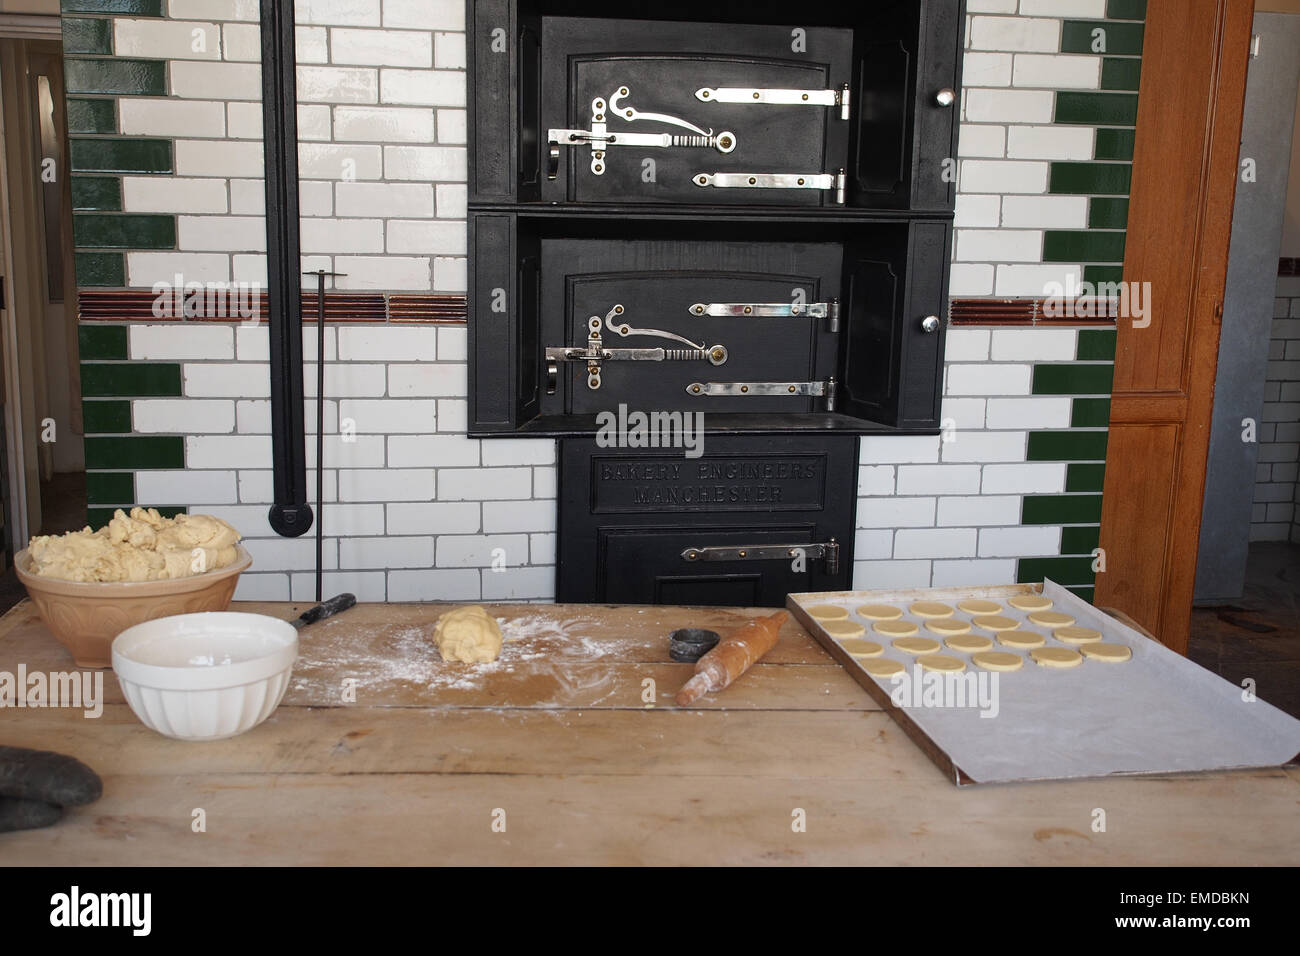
[(290, 515)]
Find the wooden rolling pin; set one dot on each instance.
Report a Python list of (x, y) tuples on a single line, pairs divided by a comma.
[(736, 653)]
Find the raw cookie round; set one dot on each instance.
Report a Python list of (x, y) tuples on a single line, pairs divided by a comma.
[(1050, 619), (843, 628), (1116, 653), (1020, 638), (947, 625), (880, 612), (1070, 634), (883, 667), (1056, 656), (976, 606), (930, 609), (916, 645), (1030, 602), (895, 628), (862, 648), (996, 623), (997, 661), (969, 643), (940, 662), (468, 634), (827, 612)]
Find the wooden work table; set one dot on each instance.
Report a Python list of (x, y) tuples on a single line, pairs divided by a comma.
[(556, 734)]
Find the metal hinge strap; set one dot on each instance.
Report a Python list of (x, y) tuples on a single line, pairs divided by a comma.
[(777, 97), (824, 181), (827, 550)]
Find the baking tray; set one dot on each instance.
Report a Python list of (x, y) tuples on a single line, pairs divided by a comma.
[(1157, 713)]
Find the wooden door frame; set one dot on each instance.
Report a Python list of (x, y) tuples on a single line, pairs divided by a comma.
[(1190, 106)]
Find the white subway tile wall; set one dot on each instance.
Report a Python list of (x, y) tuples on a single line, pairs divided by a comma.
[(415, 509)]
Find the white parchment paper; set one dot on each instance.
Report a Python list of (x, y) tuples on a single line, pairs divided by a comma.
[(1156, 713)]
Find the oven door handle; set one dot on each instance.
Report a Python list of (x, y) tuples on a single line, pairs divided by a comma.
[(829, 551)]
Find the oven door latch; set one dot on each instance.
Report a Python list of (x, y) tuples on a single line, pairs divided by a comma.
[(838, 97), (600, 137), (836, 182), (760, 310), (824, 390), (829, 551), (595, 354)]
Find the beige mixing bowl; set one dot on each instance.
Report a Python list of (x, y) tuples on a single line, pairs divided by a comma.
[(86, 616)]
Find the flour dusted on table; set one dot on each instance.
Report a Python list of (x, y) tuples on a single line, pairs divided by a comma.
[(140, 546)]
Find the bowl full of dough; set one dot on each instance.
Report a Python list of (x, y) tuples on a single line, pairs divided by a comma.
[(205, 676), (89, 586)]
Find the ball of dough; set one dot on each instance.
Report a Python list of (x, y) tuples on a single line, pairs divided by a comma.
[(468, 634)]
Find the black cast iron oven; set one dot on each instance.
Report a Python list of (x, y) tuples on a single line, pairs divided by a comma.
[(708, 255)]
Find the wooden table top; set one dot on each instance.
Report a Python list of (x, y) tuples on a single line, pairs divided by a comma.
[(556, 739)]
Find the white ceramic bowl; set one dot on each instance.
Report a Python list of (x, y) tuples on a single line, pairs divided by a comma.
[(205, 676)]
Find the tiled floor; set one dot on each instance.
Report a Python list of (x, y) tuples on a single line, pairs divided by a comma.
[(1258, 636)]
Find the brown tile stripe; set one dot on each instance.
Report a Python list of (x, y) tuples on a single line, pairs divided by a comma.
[(137, 305), (1025, 311)]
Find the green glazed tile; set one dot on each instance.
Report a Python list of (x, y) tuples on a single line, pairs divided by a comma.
[(98, 517), (100, 269), (1096, 345), (104, 342), (1083, 246), (1122, 39), (1114, 144), (1080, 540), (1111, 179), (1085, 477), (1061, 509), (130, 380), (82, 35), (1073, 445), (136, 8), (121, 155), (1096, 109), (1090, 413), (1073, 379), (124, 231), (111, 418), (1099, 274), (1126, 9), (92, 116), (1119, 73), (135, 452), (1106, 213), (118, 75), (110, 488), (102, 193), (1060, 570)]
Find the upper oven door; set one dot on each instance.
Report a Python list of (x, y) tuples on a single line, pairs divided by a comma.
[(662, 112)]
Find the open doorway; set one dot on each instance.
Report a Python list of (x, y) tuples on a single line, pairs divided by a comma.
[(1245, 623), (42, 476)]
